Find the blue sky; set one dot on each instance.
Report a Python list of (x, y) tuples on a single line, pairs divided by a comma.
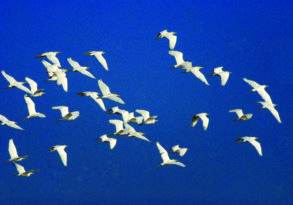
[(251, 39)]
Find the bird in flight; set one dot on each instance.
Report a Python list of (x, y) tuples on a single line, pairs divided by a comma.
[(112, 141), (253, 141), (78, 68), (94, 96), (9, 123), (22, 172), (224, 75), (241, 115), (61, 152), (165, 157), (31, 107), (65, 114), (35, 92), (260, 89), (14, 83), (171, 36), (51, 56), (106, 93), (179, 150), (99, 56), (272, 108), (14, 157), (203, 117)]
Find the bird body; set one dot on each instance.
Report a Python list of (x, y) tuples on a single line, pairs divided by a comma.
[(22, 172), (78, 68), (112, 141), (65, 114), (106, 93), (14, 83), (51, 56)]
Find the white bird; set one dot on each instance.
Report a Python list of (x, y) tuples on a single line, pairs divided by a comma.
[(52, 56), (51, 69), (61, 152), (197, 73), (165, 157), (78, 68), (9, 123), (147, 118), (114, 110), (99, 56), (65, 114), (253, 141), (14, 83), (133, 133), (179, 150), (170, 36), (179, 59), (260, 89), (62, 79), (95, 96), (106, 93), (204, 118), (119, 127), (32, 113), (272, 108), (241, 115), (22, 172), (13, 153), (112, 141), (35, 92), (127, 116), (224, 75)]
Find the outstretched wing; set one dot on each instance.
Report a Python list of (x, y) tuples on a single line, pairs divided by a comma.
[(30, 105), (178, 56), (12, 149), (104, 88), (33, 85), (256, 145), (63, 155), (163, 152)]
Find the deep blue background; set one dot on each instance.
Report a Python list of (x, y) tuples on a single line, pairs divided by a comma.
[(251, 39)]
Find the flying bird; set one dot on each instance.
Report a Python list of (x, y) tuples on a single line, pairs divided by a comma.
[(127, 116), (32, 113), (62, 79), (272, 108), (203, 117), (65, 114), (22, 172), (165, 157), (253, 141), (78, 68), (171, 36), (95, 96), (14, 83), (112, 141), (224, 75), (106, 93), (241, 115), (260, 89), (147, 118), (61, 152), (131, 132), (119, 127), (99, 56), (178, 55), (179, 150), (35, 92), (9, 123), (51, 56), (14, 157), (197, 73)]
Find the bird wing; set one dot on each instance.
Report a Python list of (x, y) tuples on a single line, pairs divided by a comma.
[(264, 95), (275, 113), (52, 56), (63, 109), (144, 113), (238, 112), (62, 79), (100, 102), (256, 145), (20, 169), (172, 41), (3, 118), (13, 125), (224, 77), (199, 75), (63, 155), (205, 122), (104, 88), (112, 142), (33, 85), (118, 124), (9, 78), (102, 61), (74, 64), (252, 83), (85, 72), (180, 164), (116, 98), (164, 154), (12, 149), (23, 88), (30, 105), (178, 56)]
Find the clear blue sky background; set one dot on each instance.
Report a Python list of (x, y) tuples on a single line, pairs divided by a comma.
[(251, 39)]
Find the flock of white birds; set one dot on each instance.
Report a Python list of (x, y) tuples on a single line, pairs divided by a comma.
[(122, 126)]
